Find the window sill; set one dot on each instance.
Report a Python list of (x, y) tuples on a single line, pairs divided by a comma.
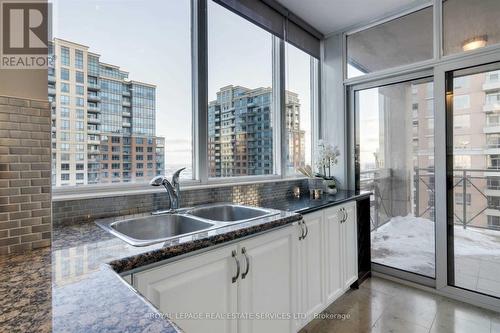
[(106, 191)]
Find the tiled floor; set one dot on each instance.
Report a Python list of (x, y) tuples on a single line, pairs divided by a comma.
[(384, 306)]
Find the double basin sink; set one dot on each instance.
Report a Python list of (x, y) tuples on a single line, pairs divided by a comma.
[(153, 229)]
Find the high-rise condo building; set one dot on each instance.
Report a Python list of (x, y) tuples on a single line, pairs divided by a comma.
[(103, 124), (240, 132)]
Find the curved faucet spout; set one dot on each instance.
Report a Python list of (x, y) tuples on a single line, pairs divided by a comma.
[(173, 188), (176, 176)]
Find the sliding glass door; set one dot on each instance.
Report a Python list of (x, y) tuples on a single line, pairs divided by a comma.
[(395, 152), (473, 121)]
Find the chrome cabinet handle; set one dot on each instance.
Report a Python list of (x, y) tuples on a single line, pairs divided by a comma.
[(244, 252), (237, 266), (301, 223), (307, 230), (346, 215)]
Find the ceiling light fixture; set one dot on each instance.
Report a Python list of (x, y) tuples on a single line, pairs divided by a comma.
[(475, 43)]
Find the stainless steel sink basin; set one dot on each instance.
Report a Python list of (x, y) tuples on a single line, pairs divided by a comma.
[(167, 226), (156, 228), (229, 213)]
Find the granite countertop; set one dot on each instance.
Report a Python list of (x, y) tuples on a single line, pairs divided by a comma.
[(305, 204), (74, 286)]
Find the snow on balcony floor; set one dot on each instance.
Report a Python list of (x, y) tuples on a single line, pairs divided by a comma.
[(407, 243)]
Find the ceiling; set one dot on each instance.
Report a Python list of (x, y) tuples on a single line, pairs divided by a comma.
[(329, 16)]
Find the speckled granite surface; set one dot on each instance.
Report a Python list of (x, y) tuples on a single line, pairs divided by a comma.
[(305, 204), (73, 286)]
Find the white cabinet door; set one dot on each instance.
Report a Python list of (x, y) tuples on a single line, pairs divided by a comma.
[(199, 284), (269, 287), (350, 246), (311, 267), (333, 253)]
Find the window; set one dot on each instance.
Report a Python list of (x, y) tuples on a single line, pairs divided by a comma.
[(79, 137), (240, 121), (79, 90), (64, 100), (462, 161), (80, 114), (64, 87), (65, 74), (79, 77), (79, 125), (494, 162), (64, 136), (65, 124), (461, 102), (65, 166), (114, 110), (79, 59), (459, 198), (65, 176), (461, 121), (64, 112), (468, 25), (411, 41), (494, 221), (65, 56), (301, 73), (392, 135), (493, 98)]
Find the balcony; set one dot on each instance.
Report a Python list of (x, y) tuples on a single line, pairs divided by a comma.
[(93, 120), (126, 103), (126, 114), (93, 131), (396, 234), (93, 98), (125, 93), (491, 85), (93, 86), (93, 141), (491, 128), (491, 107), (126, 124), (93, 109), (52, 78), (52, 91)]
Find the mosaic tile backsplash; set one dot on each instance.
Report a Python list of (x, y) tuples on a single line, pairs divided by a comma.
[(84, 211)]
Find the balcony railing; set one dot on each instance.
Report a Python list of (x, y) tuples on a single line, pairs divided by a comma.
[(474, 187)]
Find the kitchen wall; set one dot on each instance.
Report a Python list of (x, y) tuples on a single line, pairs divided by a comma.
[(25, 189), (84, 211), (333, 121)]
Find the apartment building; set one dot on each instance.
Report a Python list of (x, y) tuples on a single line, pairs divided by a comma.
[(240, 132), (476, 149), (103, 124)]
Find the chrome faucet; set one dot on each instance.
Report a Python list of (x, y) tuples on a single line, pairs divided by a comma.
[(173, 189)]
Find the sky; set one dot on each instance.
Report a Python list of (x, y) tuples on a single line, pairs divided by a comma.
[(151, 39)]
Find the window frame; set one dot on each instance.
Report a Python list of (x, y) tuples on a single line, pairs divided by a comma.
[(200, 98)]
